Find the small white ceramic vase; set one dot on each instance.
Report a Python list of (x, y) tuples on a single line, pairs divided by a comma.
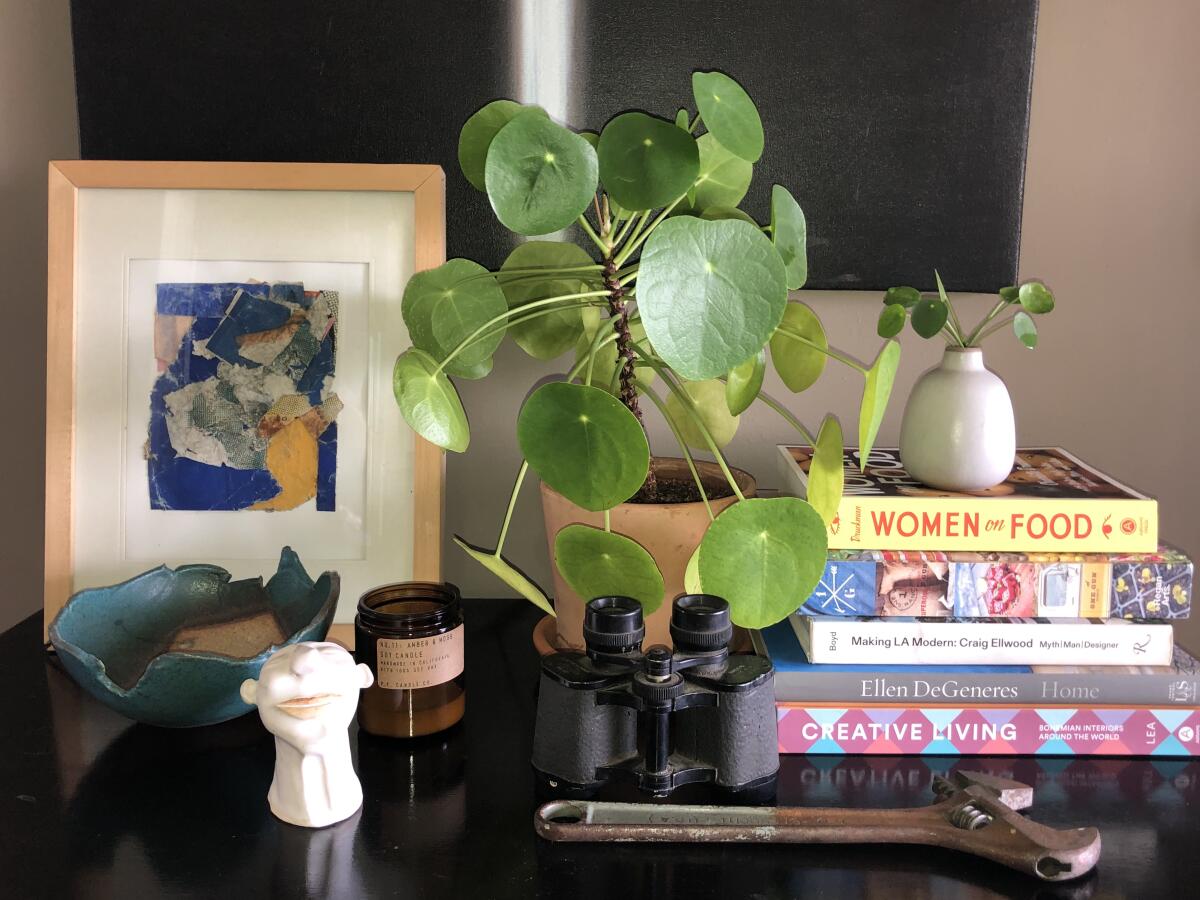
[(958, 432)]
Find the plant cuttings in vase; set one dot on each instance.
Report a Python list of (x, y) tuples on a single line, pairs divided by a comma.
[(933, 315), (675, 300)]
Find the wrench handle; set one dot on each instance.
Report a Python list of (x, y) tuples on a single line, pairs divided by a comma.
[(1009, 839)]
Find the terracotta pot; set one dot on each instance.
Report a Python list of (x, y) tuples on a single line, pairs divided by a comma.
[(670, 532)]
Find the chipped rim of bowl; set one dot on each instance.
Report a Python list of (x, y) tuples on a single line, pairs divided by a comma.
[(97, 666)]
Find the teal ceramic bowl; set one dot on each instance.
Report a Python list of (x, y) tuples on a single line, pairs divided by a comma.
[(173, 646)]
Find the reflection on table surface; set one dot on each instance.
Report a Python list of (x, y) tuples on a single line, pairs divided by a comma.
[(97, 806)]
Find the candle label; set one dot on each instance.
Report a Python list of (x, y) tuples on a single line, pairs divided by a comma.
[(407, 664)]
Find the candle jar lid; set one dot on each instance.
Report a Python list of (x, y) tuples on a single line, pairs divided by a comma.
[(411, 608)]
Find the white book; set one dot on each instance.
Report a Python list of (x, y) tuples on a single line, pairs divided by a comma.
[(896, 640)]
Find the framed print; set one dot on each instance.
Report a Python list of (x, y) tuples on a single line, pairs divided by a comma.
[(220, 346)]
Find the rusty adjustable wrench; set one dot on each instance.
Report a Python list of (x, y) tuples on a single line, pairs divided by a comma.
[(976, 813)]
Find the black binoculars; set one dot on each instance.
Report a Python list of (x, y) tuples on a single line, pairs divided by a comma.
[(658, 718)]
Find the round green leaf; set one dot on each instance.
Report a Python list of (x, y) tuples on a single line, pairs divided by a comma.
[(904, 296), (891, 320), (606, 358), (763, 555), (584, 443), (1035, 297), (1025, 329), (478, 132), (789, 234), (929, 316), (710, 293), (429, 402), (682, 120), (591, 137), (1010, 294), (714, 213), (539, 175), (744, 381), (646, 162), (550, 334), (724, 178), (691, 574), (509, 574), (597, 563), (826, 475), (708, 403), (729, 114), (443, 306), (876, 391), (799, 364)]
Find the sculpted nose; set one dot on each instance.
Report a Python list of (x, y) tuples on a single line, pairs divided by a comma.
[(305, 660)]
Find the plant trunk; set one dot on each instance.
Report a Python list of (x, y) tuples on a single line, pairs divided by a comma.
[(619, 316)]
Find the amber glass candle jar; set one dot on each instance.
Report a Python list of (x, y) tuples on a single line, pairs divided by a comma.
[(411, 636)]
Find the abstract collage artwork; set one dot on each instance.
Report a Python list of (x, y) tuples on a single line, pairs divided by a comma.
[(243, 411)]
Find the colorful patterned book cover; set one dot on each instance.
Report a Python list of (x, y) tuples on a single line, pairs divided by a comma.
[(990, 585), (988, 731), (1050, 503)]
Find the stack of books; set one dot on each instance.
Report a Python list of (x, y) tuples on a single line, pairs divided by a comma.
[(1033, 618)]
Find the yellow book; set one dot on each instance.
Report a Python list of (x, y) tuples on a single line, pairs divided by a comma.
[(1051, 503)]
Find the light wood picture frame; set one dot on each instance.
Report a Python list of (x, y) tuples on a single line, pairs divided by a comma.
[(394, 213)]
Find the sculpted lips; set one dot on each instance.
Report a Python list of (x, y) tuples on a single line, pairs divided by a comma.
[(306, 707)]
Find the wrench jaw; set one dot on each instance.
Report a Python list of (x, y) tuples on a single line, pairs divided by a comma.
[(980, 824), (1013, 794)]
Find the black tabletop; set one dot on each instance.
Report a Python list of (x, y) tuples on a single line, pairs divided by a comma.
[(94, 806)]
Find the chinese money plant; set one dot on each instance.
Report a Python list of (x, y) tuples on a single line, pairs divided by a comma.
[(670, 300)]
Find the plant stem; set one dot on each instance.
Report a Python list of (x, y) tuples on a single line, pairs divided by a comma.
[(619, 316), (518, 319), (587, 228), (828, 351), (620, 236), (976, 335), (641, 238), (508, 314), (608, 520), (532, 270), (574, 371), (637, 229), (687, 454), (512, 502), (958, 329), (695, 122), (999, 325), (688, 404), (788, 417)]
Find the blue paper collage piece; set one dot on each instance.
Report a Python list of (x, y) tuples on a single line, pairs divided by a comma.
[(219, 410)]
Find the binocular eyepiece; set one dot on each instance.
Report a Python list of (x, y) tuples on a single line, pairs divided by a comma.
[(699, 624)]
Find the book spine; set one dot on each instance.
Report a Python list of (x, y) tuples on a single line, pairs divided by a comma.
[(829, 639), (969, 585), (1122, 687), (950, 521), (990, 731), (1024, 525)]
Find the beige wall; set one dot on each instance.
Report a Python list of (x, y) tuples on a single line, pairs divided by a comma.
[(37, 123), (1112, 221)]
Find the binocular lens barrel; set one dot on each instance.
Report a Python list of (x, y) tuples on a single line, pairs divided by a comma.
[(614, 624), (700, 622)]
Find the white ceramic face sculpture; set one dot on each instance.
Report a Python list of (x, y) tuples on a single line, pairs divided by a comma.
[(306, 695)]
